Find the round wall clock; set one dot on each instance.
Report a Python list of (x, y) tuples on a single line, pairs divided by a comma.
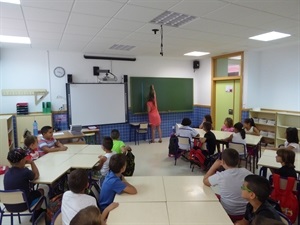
[(59, 72)]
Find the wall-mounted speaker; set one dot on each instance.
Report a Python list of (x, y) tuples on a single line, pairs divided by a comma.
[(196, 64), (96, 71), (125, 78), (70, 78)]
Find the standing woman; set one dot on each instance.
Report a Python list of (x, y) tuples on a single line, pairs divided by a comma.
[(154, 117)]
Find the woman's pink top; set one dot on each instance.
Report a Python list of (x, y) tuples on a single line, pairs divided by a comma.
[(228, 129), (154, 117)]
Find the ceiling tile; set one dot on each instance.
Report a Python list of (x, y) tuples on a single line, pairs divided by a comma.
[(113, 33), (125, 25), (198, 8), (72, 45), (14, 32), (137, 13), (79, 19), (10, 11), (81, 30), (156, 4), (44, 43), (45, 35), (45, 15), (44, 26), (99, 8), (70, 37), (12, 23), (61, 5)]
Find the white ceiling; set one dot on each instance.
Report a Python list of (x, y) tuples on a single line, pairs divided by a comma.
[(93, 26)]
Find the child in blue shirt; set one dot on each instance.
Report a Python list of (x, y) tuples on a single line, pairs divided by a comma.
[(115, 182)]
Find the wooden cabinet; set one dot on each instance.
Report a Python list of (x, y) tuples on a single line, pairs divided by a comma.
[(285, 120), (265, 121), (7, 138), (26, 122)]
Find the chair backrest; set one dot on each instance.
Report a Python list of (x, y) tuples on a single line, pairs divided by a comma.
[(57, 218), (284, 218), (143, 126), (14, 200), (241, 148), (185, 141)]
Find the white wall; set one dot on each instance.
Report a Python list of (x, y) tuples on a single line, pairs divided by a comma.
[(34, 69), (203, 83)]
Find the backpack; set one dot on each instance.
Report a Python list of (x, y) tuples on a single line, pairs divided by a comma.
[(53, 206), (286, 198), (196, 157), (130, 163), (173, 144)]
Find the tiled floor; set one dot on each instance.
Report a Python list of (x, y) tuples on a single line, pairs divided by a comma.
[(151, 160)]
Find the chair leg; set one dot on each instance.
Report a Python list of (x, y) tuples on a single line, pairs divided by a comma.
[(19, 218), (11, 219)]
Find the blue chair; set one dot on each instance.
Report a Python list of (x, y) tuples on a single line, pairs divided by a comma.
[(179, 152), (284, 219), (141, 130), (16, 204), (57, 218)]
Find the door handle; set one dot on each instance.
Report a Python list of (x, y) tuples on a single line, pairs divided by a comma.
[(230, 111)]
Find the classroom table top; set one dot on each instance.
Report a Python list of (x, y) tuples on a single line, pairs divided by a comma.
[(139, 213), (272, 153), (197, 213), (250, 139), (149, 188), (49, 174), (92, 149), (72, 149), (82, 161), (187, 188), (63, 135)]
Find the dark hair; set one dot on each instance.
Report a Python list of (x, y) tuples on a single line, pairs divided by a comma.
[(45, 129), (207, 126), (115, 134), (292, 135), (250, 121), (151, 95), (29, 140), (239, 127), (208, 118), (16, 155), (78, 180), (117, 162), (287, 156), (229, 121), (87, 216), (231, 157), (260, 186), (107, 143), (186, 122)]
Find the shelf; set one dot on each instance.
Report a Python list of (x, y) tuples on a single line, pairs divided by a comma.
[(281, 139), (281, 126), (272, 138), (264, 124), (263, 112)]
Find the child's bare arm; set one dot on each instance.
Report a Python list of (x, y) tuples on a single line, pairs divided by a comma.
[(109, 208), (129, 189), (100, 163), (61, 146), (242, 222)]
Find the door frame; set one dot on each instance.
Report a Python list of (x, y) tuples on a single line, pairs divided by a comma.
[(214, 80)]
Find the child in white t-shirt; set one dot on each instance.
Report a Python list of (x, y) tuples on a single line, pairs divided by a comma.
[(239, 135)]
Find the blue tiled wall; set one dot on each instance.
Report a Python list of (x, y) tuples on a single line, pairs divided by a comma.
[(168, 120)]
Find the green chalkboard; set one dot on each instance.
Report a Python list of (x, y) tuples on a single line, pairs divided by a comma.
[(173, 94)]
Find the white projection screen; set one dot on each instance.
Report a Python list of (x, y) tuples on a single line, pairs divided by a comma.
[(96, 104)]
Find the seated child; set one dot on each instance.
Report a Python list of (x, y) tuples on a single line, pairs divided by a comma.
[(249, 127), (209, 139), (48, 143), (239, 135), (75, 199), (87, 216), (292, 139), (228, 125), (229, 181), (206, 118), (287, 159), (186, 131), (103, 162), (20, 177), (256, 190), (115, 182), (31, 145), (119, 146)]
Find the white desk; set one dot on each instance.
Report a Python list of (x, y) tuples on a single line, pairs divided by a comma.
[(146, 213), (93, 150), (80, 161), (48, 174), (187, 188), (197, 213), (250, 139), (150, 189), (53, 159), (272, 153)]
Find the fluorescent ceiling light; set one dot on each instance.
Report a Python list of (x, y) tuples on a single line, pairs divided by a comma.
[(195, 53), (11, 1), (269, 36), (172, 19), (14, 39)]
